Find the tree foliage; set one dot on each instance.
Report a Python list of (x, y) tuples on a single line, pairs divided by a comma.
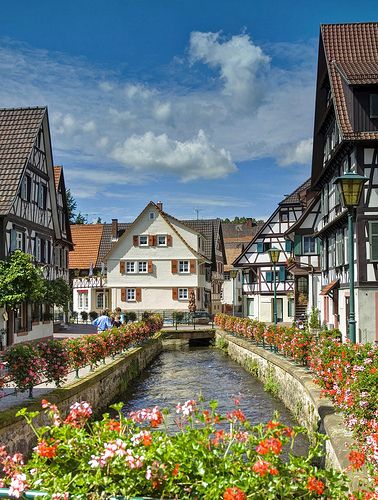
[(20, 280), (58, 293), (71, 206), (80, 219)]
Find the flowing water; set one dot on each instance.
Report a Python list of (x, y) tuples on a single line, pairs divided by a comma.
[(182, 372)]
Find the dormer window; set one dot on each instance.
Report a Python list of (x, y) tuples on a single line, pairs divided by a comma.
[(373, 98)]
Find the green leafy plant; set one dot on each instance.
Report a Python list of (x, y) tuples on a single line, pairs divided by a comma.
[(213, 456), (314, 319), (84, 316), (20, 280)]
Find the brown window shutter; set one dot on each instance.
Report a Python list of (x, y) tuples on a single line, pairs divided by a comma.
[(122, 266), (169, 240), (123, 294), (150, 240), (155, 241), (150, 266), (135, 240), (198, 294), (174, 266), (138, 294), (174, 294), (193, 266)]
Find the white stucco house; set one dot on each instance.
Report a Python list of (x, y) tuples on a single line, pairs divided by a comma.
[(157, 263)]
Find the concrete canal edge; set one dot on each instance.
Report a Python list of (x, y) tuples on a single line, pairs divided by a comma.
[(296, 389), (100, 388)]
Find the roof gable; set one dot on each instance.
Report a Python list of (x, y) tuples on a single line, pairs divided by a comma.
[(166, 217), (18, 131), (86, 239)]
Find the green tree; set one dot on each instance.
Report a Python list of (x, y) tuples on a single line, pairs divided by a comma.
[(80, 219), (71, 206), (20, 280), (58, 293)]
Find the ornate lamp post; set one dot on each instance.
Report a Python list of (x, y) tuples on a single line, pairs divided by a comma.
[(274, 255), (350, 187), (233, 274)]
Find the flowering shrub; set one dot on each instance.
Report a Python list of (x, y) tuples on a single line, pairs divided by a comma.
[(77, 356), (24, 365), (211, 457), (56, 358), (30, 364), (346, 372)]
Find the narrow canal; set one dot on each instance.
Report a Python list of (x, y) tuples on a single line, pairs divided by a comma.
[(182, 372)]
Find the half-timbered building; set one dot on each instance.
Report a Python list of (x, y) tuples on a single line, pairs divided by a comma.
[(258, 277), (346, 140), (304, 264), (33, 214)]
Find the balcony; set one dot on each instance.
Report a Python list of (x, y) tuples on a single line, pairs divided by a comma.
[(215, 276), (89, 282)]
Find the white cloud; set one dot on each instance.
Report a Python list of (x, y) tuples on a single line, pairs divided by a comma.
[(191, 159), (96, 116), (298, 153), (241, 63)]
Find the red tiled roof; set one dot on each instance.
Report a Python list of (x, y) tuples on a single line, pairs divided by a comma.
[(328, 288), (87, 239), (57, 173), (351, 52)]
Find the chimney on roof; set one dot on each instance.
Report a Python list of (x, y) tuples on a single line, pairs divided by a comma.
[(114, 229), (160, 205)]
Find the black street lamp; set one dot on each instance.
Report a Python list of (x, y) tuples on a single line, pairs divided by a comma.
[(274, 255), (350, 186)]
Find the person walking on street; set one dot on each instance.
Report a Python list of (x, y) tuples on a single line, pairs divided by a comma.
[(102, 322)]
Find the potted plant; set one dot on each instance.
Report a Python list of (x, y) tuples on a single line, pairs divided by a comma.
[(302, 299)]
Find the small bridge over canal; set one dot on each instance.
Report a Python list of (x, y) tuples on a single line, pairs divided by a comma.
[(185, 332)]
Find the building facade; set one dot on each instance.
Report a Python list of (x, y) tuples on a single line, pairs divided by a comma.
[(258, 277), (159, 262), (346, 140), (33, 213)]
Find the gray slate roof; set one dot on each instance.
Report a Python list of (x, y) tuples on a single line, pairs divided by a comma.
[(205, 227), (18, 130), (106, 240), (294, 196)]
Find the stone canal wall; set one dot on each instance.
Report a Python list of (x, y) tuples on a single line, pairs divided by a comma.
[(294, 385), (100, 388)]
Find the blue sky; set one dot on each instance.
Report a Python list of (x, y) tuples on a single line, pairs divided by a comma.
[(200, 104)]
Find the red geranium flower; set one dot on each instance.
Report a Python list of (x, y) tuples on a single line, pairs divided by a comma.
[(234, 493), (315, 485)]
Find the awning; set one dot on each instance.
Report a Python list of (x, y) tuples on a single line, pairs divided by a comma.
[(330, 287)]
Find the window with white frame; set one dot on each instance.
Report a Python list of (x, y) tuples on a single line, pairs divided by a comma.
[(142, 266), (143, 240), (162, 240), (100, 300), (19, 240), (152, 215), (37, 250), (130, 267), (82, 299), (183, 266), (131, 294), (183, 294), (309, 245)]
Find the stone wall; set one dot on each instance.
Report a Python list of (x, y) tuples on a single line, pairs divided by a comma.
[(100, 388), (295, 387)]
